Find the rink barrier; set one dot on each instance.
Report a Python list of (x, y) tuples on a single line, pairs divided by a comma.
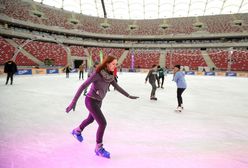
[(24, 72), (40, 71)]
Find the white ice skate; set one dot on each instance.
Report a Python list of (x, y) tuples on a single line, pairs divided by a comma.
[(179, 109)]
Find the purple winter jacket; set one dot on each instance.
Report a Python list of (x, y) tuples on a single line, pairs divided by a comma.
[(100, 83)]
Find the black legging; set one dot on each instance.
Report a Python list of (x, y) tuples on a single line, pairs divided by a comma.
[(9, 75), (81, 73), (162, 77), (95, 113), (179, 96)]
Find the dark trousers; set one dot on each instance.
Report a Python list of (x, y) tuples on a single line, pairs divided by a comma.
[(67, 74), (9, 75), (154, 87), (95, 113), (161, 77), (179, 96), (81, 75)]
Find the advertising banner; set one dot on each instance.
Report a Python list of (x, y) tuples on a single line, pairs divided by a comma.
[(231, 74), (74, 70), (210, 73), (220, 73), (190, 73), (39, 71), (200, 73), (24, 72), (241, 74), (52, 71)]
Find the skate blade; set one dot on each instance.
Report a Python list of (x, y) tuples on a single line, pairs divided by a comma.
[(79, 138)]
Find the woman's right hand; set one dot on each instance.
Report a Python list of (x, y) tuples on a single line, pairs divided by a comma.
[(71, 106)]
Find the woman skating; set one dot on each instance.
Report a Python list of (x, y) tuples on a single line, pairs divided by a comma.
[(181, 86), (100, 80)]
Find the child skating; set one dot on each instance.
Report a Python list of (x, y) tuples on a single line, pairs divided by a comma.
[(100, 80), (152, 76), (181, 86)]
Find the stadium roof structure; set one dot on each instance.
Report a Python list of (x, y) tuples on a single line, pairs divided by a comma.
[(150, 9)]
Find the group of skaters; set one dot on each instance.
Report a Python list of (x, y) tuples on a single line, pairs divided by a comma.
[(102, 76), (156, 73)]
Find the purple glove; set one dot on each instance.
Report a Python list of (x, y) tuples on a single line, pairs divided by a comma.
[(71, 106), (133, 97)]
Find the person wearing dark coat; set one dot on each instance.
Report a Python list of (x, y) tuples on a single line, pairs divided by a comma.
[(10, 69)]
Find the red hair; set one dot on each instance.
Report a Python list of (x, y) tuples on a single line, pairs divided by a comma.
[(104, 63)]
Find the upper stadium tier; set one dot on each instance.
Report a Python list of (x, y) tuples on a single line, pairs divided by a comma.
[(40, 14)]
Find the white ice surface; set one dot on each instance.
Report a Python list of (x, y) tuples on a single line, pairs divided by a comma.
[(212, 131)]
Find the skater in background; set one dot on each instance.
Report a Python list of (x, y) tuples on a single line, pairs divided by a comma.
[(67, 70), (152, 76), (10, 68), (160, 76), (115, 77), (93, 101), (181, 86), (81, 71), (91, 70)]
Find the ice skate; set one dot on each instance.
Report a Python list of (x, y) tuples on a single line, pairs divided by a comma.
[(77, 134), (153, 98), (100, 151), (178, 109)]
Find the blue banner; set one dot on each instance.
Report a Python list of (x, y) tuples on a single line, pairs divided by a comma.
[(231, 74), (74, 70), (210, 73), (24, 72), (52, 71), (190, 73)]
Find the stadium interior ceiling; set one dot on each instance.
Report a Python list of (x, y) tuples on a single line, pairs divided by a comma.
[(150, 9)]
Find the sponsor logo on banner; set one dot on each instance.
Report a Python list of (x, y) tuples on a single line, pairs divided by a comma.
[(52, 71), (242, 74), (39, 71), (209, 73), (220, 73), (24, 72), (231, 74), (74, 70), (190, 73), (199, 73)]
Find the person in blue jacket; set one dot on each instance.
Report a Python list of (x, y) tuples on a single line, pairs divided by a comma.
[(181, 86)]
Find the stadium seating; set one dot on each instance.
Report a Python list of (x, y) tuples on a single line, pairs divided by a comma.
[(219, 58), (185, 57), (77, 51), (238, 59), (142, 59), (57, 17), (6, 51), (22, 60), (95, 52), (46, 50)]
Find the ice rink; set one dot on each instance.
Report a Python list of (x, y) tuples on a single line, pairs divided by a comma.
[(212, 131)]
